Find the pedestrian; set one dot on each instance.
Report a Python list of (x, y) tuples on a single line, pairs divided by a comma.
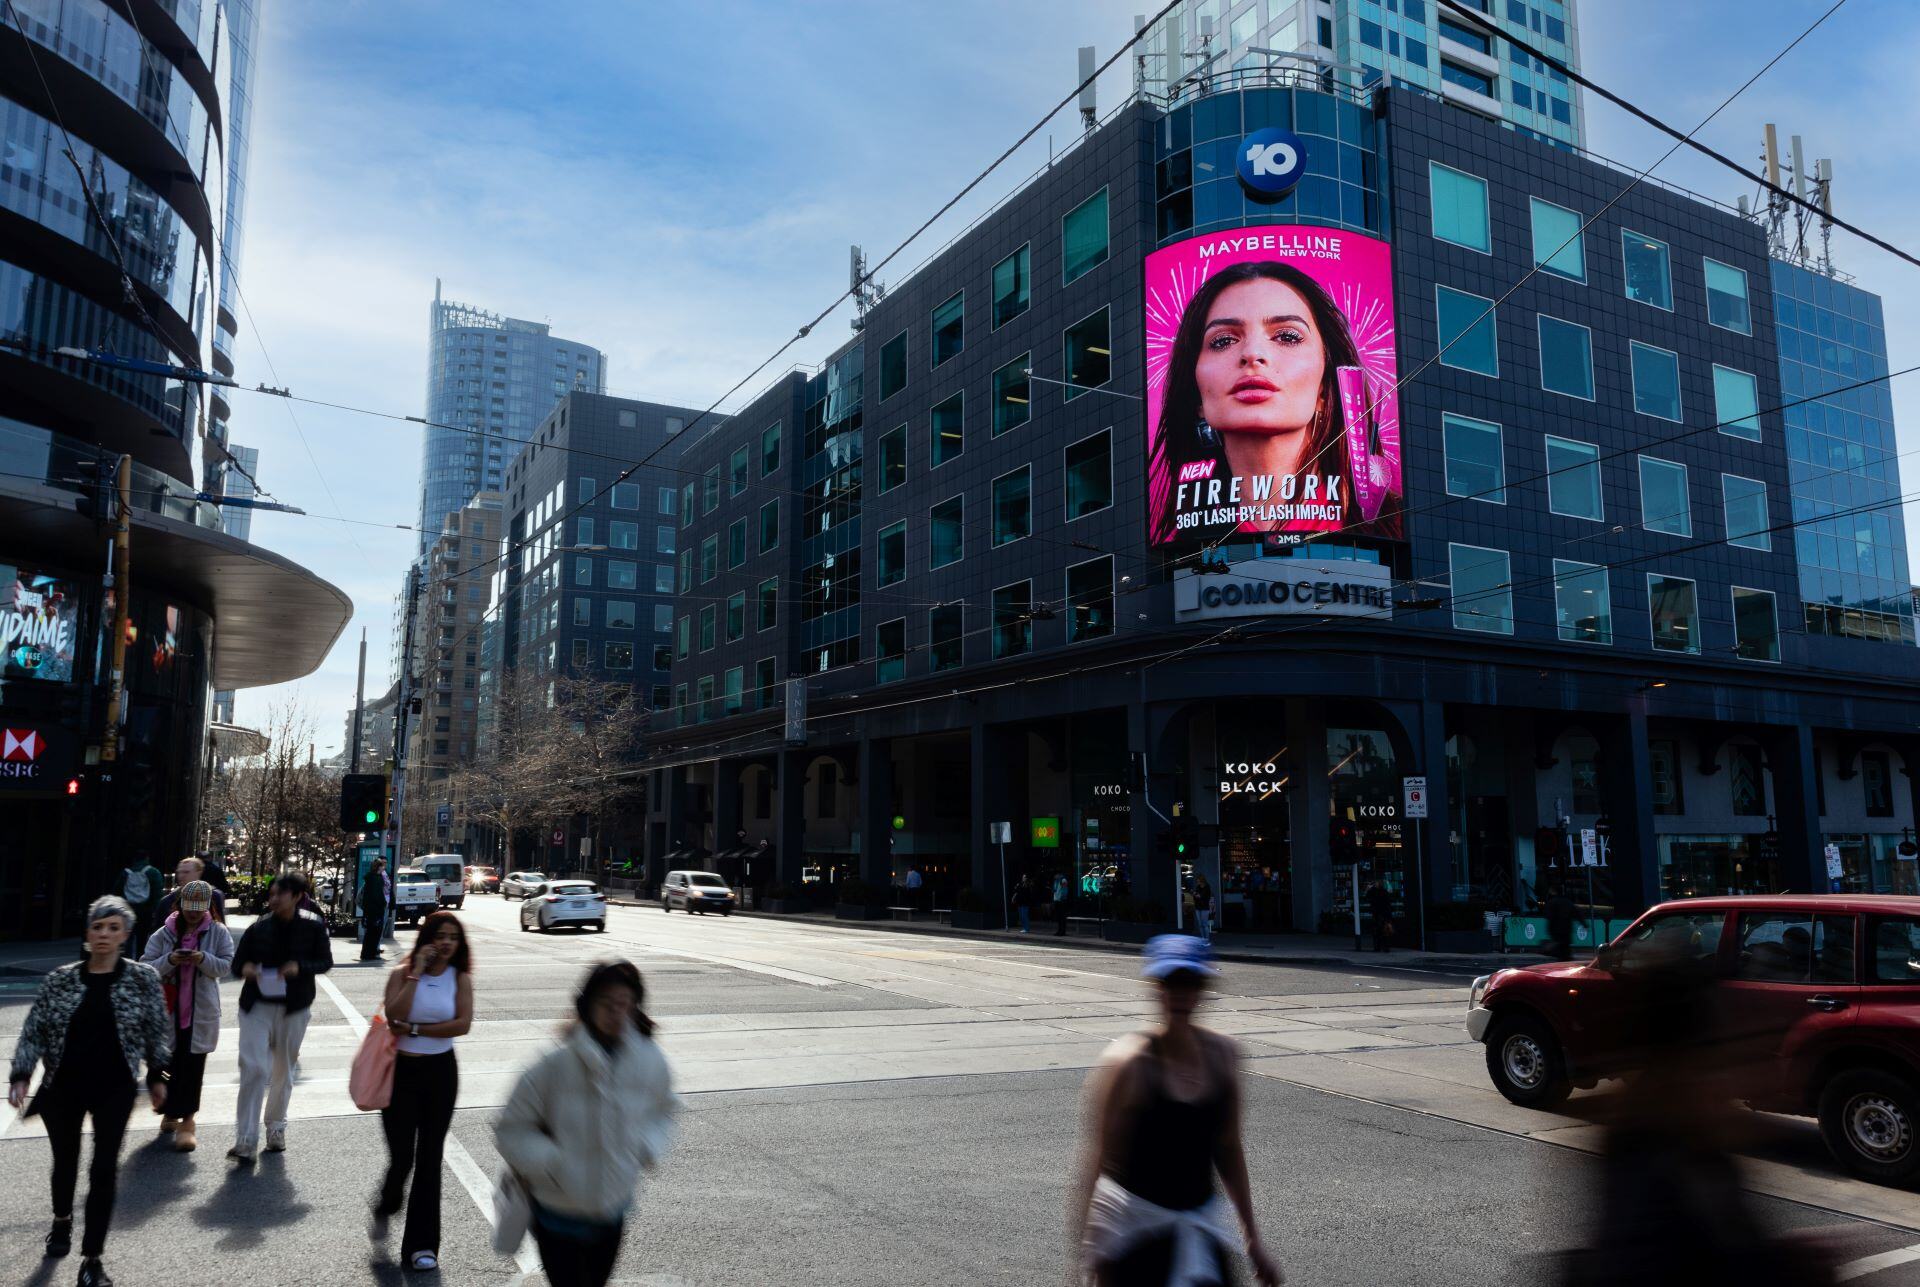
[(582, 1123), (216, 875), (191, 952), (1061, 890), (1023, 903), (140, 886), (429, 1002), (279, 956), (1163, 1111), (1559, 923), (185, 873), (915, 882), (1203, 907), (373, 910), (92, 1024), (1380, 912)]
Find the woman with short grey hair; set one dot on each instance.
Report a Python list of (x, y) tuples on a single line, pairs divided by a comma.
[(92, 1025)]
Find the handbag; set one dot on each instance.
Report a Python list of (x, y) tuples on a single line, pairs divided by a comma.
[(512, 1212), (370, 1081)]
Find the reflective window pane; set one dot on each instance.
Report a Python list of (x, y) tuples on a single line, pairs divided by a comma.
[(1459, 207), (1727, 297), (1089, 355), (1475, 460), (1566, 358), (1573, 479), (1746, 511), (1467, 331), (1083, 237), (1656, 382), (1090, 475), (1675, 612), (1012, 286), (949, 328), (1736, 403), (1012, 506), (1482, 585), (1559, 247), (1756, 625), (1012, 401), (1664, 504), (1649, 274), (1582, 609)]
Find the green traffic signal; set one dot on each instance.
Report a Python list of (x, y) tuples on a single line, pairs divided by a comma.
[(373, 815)]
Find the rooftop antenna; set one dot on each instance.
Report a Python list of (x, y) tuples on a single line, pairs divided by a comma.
[(1140, 59), (1823, 182), (866, 291), (1776, 204), (1089, 113)]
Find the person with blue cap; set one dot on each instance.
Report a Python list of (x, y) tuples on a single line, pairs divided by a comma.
[(1163, 1119)]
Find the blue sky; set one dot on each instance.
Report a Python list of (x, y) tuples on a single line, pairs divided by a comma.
[(678, 185)]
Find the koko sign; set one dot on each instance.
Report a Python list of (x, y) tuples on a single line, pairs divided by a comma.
[(1285, 588)]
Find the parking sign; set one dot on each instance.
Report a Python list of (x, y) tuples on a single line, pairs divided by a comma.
[(1416, 797)]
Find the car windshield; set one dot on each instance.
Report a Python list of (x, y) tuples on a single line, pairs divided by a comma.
[(708, 879)]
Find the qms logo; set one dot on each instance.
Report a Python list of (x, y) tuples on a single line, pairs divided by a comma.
[(1271, 161)]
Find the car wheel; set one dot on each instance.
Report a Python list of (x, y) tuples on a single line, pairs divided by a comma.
[(728, 912), (459, 903), (1871, 1122), (665, 906), (524, 927), (544, 927), (599, 927), (1524, 1060)]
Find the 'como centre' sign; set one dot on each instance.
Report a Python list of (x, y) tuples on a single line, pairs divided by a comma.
[(1285, 587)]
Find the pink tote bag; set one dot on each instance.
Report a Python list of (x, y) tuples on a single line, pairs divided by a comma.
[(371, 1080)]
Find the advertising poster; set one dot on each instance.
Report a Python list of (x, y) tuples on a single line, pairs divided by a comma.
[(39, 625), (1271, 408)]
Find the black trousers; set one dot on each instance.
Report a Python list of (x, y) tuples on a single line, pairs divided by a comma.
[(65, 1112), (578, 1262), (186, 1072), (416, 1122), (370, 936)]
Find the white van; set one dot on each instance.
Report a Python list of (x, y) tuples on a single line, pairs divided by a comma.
[(449, 872)]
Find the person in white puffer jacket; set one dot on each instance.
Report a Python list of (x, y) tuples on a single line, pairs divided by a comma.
[(584, 1121)]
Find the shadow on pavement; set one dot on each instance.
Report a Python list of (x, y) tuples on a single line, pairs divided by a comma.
[(250, 1203)]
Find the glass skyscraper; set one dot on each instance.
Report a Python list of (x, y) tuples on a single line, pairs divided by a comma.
[(1410, 43), (1842, 457), (492, 379)]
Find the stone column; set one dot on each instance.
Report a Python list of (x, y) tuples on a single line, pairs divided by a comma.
[(1626, 785), (790, 817), (1796, 809), (876, 811), (1309, 834)]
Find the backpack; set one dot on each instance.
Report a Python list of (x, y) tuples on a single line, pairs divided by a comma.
[(139, 886)]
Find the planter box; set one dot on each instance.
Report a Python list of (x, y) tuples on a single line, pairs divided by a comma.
[(973, 920), (858, 912), (1465, 941), (1128, 932), (785, 906)]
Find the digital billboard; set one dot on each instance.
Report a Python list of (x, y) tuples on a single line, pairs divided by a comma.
[(1271, 405), (39, 624)]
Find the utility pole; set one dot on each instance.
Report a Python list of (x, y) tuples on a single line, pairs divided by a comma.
[(122, 589), (400, 720), (359, 700)]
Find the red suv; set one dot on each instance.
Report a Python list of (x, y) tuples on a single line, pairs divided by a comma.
[(1815, 997)]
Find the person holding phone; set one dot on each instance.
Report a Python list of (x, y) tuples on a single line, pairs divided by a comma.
[(278, 956), (429, 1002), (191, 952), (92, 1025)]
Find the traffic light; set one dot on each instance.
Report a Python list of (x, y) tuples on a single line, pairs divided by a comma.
[(363, 802), (1185, 838)]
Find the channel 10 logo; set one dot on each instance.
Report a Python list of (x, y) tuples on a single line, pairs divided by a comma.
[(1271, 161)]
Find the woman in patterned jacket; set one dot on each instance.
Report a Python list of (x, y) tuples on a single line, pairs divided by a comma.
[(93, 1024)]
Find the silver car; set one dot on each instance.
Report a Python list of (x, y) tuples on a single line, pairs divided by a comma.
[(519, 884), (564, 902)]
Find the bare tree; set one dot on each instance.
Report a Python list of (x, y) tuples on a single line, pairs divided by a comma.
[(285, 805), (509, 784), (596, 742)]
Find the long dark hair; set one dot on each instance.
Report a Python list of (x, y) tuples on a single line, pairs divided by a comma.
[(462, 958), (608, 974), (1177, 441)]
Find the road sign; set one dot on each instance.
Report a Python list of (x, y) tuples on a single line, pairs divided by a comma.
[(1589, 847), (1000, 833), (1835, 868), (1416, 797), (586, 846), (559, 836)]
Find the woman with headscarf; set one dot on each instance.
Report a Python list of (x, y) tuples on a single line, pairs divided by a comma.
[(583, 1122), (92, 1025), (191, 952)]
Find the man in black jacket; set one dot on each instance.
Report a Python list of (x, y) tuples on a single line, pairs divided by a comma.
[(373, 910), (279, 956)]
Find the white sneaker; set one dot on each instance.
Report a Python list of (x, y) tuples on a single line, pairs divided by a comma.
[(425, 1260), (243, 1151), (276, 1139)]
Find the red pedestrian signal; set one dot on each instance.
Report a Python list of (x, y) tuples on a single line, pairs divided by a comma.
[(73, 786)]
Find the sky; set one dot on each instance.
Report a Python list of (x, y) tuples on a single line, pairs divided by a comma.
[(677, 185)]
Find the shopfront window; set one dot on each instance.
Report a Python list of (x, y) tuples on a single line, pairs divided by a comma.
[(1713, 865), (1364, 788)]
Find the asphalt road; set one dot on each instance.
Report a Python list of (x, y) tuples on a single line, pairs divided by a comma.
[(870, 1108)]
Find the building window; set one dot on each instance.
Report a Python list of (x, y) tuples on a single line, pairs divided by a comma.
[(893, 366), (582, 653), (1727, 297), (1013, 506), (1482, 584), (703, 694), (736, 543), (686, 570), (947, 434), (662, 657), (944, 532), (1012, 287), (1475, 459), (663, 578), (1756, 628), (625, 536), (709, 559), (622, 575), (1083, 238), (945, 636), (1459, 34), (1656, 381), (1745, 501), (585, 491), (686, 505), (1736, 403), (892, 554), (1466, 78), (1468, 331), (769, 526), (665, 502), (583, 570), (663, 540), (684, 713), (1459, 208), (1581, 603), (662, 617), (1664, 505), (620, 614), (626, 495), (732, 699), (708, 617), (769, 614), (1573, 479), (1090, 600), (769, 450), (583, 531), (1089, 355), (739, 470), (1013, 620), (1675, 610), (1012, 404), (1649, 274), (736, 616), (683, 639), (893, 458), (1566, 358), (583, 611), (890, 651), (1089, 475), (618, 656), (949, 328), (1559, 247), (764, 681)]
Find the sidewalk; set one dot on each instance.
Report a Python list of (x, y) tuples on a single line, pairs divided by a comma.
[(1248, 949)]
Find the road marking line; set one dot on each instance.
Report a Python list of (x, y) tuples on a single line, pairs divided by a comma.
[(792, 976), (1874, 1264), (459, 1161)]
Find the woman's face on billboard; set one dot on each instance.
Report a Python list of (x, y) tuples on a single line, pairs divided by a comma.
[(1261, 360)]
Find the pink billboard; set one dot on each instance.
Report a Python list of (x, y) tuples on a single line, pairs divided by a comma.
[(1272, 412)]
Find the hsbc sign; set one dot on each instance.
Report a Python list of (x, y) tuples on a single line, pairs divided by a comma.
[(34, 756)]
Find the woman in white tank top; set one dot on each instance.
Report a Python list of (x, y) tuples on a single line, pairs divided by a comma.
[(429, 1002)]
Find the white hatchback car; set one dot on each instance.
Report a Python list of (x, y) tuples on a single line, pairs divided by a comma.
[(518, 884), (564, 902)]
